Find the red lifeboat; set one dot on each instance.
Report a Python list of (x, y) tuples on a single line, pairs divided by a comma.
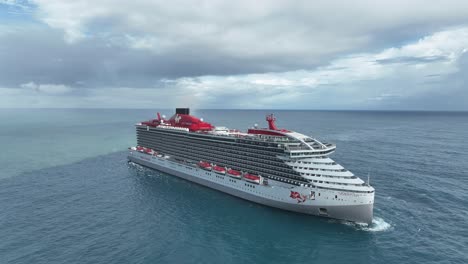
[(234, 173), (140, 149), (219, 169), (204, 165), (252, 178), (148, 151)]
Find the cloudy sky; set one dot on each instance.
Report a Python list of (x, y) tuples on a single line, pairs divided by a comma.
[(234, 54)]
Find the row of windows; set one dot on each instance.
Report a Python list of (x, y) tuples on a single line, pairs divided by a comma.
[(254, 169), (203, 137), (318, 163), (337, 183), (267, 158), (341, 190), (316, 181), (231, 180), (310, 168), (328, 176), (207, 143), (312, 153), (219, 152), (216, 154), (245, 145), (238, 158)]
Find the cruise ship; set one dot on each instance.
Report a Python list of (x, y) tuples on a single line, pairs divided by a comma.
[(270, 166)]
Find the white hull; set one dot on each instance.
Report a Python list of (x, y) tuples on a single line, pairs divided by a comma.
[(356, 207)]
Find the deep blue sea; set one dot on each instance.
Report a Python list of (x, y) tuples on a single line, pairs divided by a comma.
[(68, 195)]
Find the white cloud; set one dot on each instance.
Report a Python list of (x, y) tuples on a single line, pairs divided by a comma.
[(303, 30), (54, 89), (272, 81), (407, 67)]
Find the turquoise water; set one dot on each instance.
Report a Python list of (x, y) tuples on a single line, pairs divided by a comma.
[(68, 195)]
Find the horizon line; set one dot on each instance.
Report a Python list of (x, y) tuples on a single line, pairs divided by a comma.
[(241, 109)]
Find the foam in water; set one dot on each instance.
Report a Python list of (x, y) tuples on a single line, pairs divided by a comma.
[(378, 224)]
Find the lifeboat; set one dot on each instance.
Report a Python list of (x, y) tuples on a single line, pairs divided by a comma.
[(140, 149), (252, 178), (219, 169), (148, 151), (204, 165), (234, 173)]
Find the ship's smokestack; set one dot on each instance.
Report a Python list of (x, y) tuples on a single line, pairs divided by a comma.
[(182, 111), (271, 122)]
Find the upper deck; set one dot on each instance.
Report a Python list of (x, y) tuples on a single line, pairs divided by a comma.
[(293, 144)]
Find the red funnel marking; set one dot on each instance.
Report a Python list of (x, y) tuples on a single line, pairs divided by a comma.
[(271, 122)]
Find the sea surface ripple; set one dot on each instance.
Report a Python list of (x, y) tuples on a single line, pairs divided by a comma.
[(68, 194)]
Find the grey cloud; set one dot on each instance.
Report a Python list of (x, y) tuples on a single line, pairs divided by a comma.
[(433, 75), (40, 55), (238, 37), (448, 92), (222, 39), (412, 60), (146, 43)]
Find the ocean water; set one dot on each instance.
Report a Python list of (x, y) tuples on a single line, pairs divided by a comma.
[(68, 195)]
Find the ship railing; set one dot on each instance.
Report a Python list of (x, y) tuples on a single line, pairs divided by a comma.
[(297, 148), (255, 137), (328, 147), (174, 128)]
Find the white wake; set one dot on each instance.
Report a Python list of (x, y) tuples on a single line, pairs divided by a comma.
[(378, 225)]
